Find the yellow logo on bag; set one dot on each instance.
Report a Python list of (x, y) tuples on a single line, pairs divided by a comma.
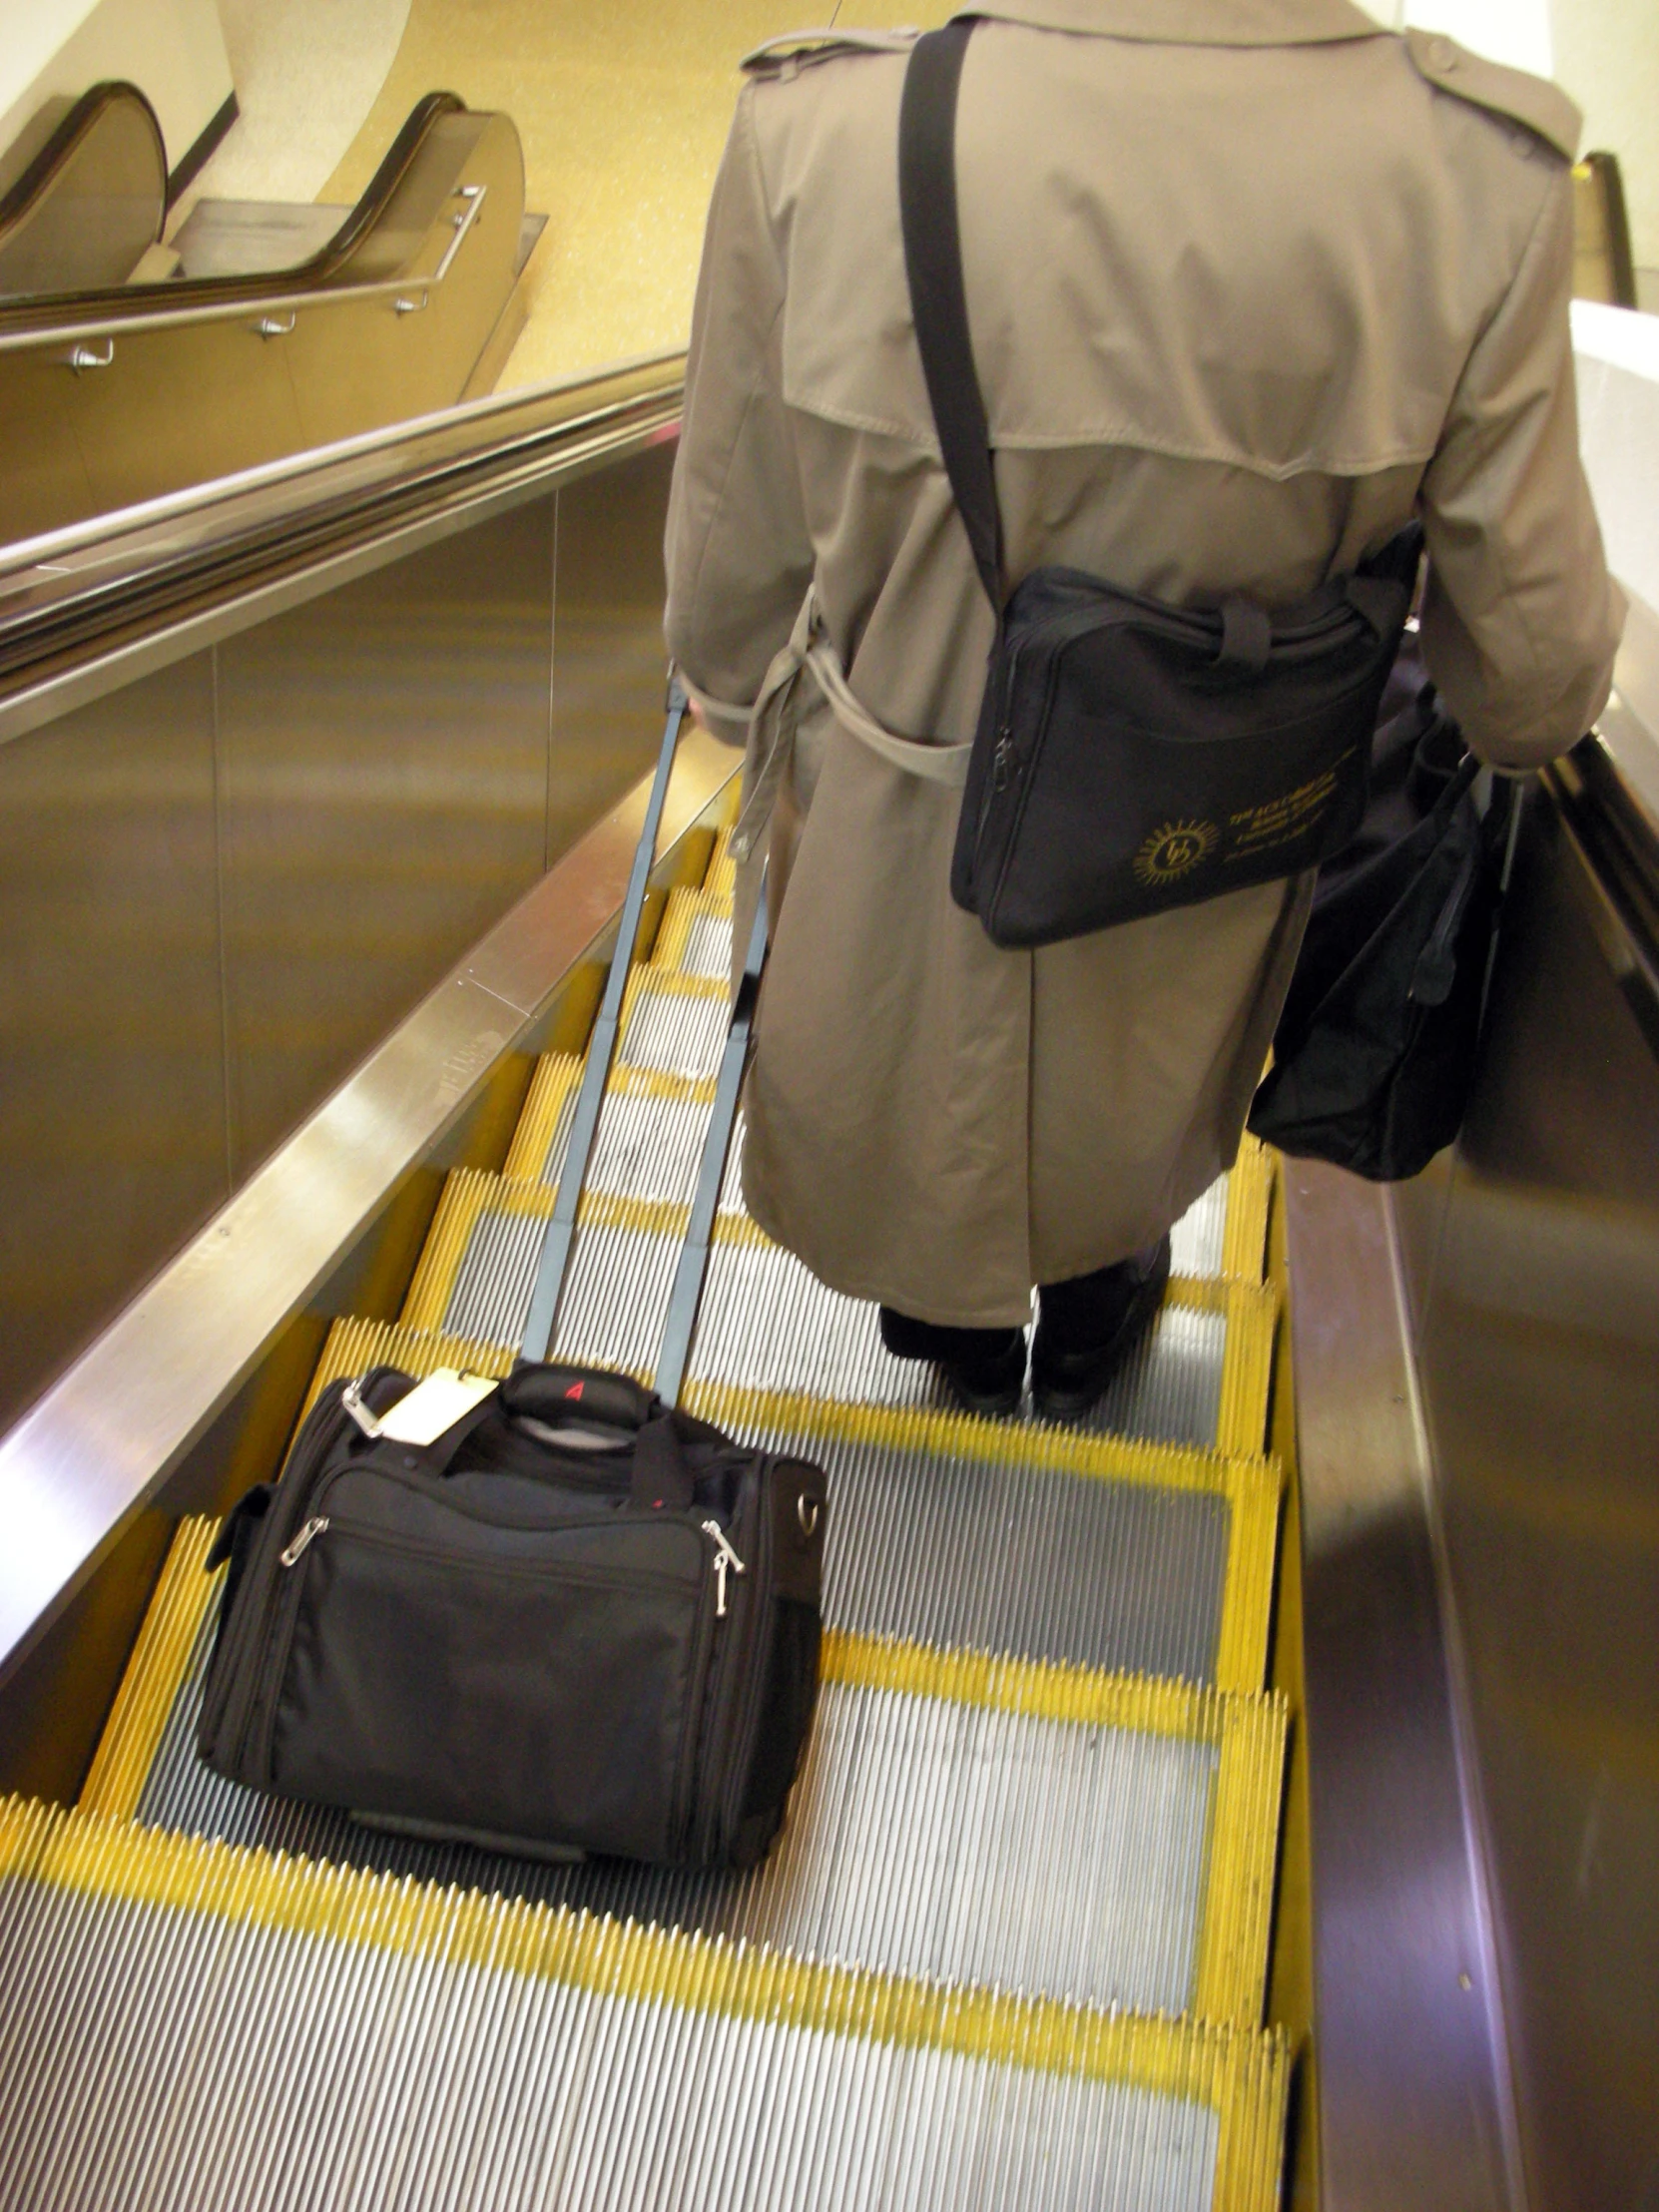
[(1174, 850)]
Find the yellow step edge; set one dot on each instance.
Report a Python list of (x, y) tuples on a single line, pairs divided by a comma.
[(1241, 2074), (662, 1083), (655, 982), (1251, 1314), (470, 1192), (133, 1733), (720, 876), (684, 911), (354, 1346), (555, 1079), (1252, 1484), (1243, 1238)]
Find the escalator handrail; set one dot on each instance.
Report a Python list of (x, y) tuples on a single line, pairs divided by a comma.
[(67, 595), (65, 318)]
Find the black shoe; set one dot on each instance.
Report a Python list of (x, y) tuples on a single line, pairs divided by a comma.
[(1087, 1327), (984, 1369)]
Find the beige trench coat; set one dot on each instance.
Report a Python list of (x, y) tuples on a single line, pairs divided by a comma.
[(1248, 281)]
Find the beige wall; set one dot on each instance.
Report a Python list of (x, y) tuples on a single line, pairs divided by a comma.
[(1607, 58)]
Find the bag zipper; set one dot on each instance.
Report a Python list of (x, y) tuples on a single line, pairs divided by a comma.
[(997, 780), (710, 1631), (1027, 776), (724, 1558), (722, 1796), (746, 1718)]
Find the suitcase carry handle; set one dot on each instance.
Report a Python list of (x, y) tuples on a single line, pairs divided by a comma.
[(556, 1394)]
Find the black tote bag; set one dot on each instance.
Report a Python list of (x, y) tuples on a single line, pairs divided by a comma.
[(1375, 1049)]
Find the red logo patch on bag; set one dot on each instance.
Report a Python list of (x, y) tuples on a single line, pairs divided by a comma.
[(576, 1389)]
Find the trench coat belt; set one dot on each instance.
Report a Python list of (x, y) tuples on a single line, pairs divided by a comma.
[(771, 724)]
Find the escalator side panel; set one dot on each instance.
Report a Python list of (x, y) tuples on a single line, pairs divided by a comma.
[(382, 763), (81, 213), (112, 1138)]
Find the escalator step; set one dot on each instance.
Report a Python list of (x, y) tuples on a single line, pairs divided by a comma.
[(696, 935), (673, 1022), (193, 2025), (936, 1781), (1201, 1376)]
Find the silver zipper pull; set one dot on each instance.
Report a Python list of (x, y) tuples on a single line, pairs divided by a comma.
[(724, 1558), (296, 1551), (351, 1402)]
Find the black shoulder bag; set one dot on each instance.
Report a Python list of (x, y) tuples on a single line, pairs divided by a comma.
[(571, 1618), (1130, 756)]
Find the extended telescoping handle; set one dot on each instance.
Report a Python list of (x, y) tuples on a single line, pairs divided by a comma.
[(543, 1316), (687, 1293)]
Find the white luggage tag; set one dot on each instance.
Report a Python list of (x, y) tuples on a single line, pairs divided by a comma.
[(428, 1411)]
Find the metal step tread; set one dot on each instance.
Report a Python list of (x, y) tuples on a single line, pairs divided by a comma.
[(1044, 1543), (194, 2024)]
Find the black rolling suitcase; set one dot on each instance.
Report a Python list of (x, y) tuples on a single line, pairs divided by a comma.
[(553, 1616)]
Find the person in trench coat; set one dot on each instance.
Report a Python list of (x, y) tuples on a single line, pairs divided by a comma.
[(1250, 284)]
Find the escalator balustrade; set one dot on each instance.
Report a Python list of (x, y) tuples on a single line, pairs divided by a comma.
[(85, 202), (112, 392)]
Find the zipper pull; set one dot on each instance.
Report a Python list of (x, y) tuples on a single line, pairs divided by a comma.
[(296, 1550), (724, 1558)]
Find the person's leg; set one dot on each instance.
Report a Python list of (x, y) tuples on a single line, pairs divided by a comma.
[(1087, 1327), (984, 1369)]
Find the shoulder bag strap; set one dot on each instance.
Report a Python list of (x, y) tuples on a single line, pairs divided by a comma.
[(938, 298)]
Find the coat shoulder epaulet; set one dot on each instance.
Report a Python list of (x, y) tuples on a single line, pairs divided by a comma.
[(782, 58), (1542, 106)]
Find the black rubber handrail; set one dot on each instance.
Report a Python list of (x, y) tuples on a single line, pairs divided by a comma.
[(110, 303), (66, 138)]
